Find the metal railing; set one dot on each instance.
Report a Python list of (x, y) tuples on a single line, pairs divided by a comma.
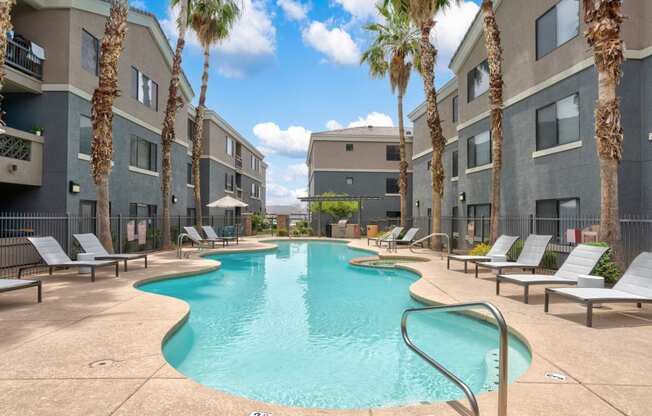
[(23, 59), (428, 237), (502, 357), (238, 161)]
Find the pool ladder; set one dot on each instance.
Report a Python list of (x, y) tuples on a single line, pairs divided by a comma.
[(502, 354)]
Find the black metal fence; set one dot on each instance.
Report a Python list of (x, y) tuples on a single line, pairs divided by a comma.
[(130, 234)]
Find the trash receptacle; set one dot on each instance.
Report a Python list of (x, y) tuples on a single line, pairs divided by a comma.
[(372, 230)]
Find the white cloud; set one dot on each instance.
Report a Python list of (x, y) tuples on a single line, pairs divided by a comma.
[(249, 46), (336, 43), (294, 10), (281, 195), (450, 29), (292, 142), (139, 4), (373, 119), (333, 125), (360, 9)]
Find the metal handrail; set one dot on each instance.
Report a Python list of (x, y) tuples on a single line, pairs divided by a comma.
[(421, 240), (502, 362), (180, 242)]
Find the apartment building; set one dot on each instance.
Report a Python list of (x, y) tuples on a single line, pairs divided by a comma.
[(360, 161), (52, 71), (550, 162)]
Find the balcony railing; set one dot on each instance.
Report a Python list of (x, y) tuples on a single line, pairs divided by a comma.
[(238, 161), (21, 157), (23, 59), (15, 148)]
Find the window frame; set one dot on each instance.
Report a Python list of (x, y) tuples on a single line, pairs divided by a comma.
[(478, 220), (231, 141), (136, 88), (349, 180), (558, 45), (152, 153), (190, 180), (396, 152), (96, 72), (469, 84), (455, 164), (387, 187), (475, 157), (349, 147), (555, 103), (455, 108), (544, 222), (90, 138)]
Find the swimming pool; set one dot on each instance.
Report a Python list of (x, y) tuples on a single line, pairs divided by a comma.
[(299, 326)]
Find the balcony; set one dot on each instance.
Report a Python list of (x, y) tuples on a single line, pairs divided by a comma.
[(24, 69), (21, 158), (238, 161)]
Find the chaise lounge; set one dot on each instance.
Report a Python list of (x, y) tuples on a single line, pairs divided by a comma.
[(8, 285), (90, 244), (529, 259), (193, 234), (501, 247), (582, 260), (407, 239), (390, 235), (212, 235), (634, 287), (54, 256)]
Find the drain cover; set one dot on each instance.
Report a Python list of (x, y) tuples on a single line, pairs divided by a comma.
[(101, 363), (556, 376), (260, 414)]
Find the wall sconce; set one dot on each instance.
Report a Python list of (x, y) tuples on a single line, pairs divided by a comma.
[(175, 199), (418, 204), (74, 187), (462, 196)]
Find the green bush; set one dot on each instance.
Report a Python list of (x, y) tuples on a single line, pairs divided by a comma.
[(282, 232), (550, 258), (257, 222), (480, 250), (606, 267)]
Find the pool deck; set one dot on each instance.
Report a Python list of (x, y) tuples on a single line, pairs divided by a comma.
[(95, 348)]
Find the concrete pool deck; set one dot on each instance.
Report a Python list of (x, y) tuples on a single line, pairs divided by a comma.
[(95, 348)]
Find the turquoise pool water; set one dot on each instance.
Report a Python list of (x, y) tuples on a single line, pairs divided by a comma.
[(299, 326)]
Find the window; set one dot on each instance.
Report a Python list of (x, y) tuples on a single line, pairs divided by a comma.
[(90, 53), (230, 146), (479, 150), (478, 81), (191, 213), (255, 190), (391, 186), (255, 163), (557, 26), (554, 216), (479, 221), (191, 130), (393, 214), (143, 154), (455, 164), (138, 211), (189, 175), (558, 123), (455, 109), (228, 182), (349, 180), (85, 134), (393, 152), (88, 214), (429, 165), (144, 89), (349, 147)]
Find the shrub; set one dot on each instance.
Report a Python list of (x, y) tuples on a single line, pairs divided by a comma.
[(282, 232), (480, 250), (606, 267)]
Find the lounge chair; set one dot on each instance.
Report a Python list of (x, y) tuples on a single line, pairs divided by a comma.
[(54, 256), (391, 235), (212, 235), (529, 259), (7, 285), (90, 244), (193, 234), (501, 247), (634, 287), (582, 260), (407, 238)]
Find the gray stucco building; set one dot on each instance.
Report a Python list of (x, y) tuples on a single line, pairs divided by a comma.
[(52, 66), (550, 161)]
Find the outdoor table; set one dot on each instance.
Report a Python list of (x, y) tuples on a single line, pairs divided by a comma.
[(85, 257)]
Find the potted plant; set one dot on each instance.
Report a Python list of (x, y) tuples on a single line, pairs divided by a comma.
[(37, 130)]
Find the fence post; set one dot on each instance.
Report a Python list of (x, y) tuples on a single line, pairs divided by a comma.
[(482, 229), (531, 224), (120, 234), (68, 235)]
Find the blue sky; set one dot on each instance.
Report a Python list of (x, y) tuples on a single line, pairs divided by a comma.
[(291, 67)]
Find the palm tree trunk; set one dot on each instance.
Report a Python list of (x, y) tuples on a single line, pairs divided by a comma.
[(102, 114), (174, 102), (428, 59), (199, 132), (5, 27), (603, 35), (495, 59), (403, 165)]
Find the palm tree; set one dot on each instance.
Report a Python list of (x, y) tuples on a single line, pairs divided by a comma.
[(603, 19), (212, 20), (422, 13), (394, 50), (174, 102), (495, 60), (5, 27), (115, 32)]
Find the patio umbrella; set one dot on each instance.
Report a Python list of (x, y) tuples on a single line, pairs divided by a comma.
[(227, 202)]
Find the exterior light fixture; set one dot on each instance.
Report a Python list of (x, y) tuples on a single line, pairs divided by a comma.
[(74, 187), (462, 196), (418, 204), (175, 199)]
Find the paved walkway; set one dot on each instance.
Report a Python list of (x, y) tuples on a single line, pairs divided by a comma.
[(95, 349)]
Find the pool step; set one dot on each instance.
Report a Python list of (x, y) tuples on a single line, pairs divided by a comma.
[(492, 370)]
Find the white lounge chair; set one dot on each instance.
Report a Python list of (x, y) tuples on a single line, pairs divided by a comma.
[(582, 260), (193, 234), (529, 259), (90, 244), (391, 235), (634, 287), (212, 235), (54, 256), (501, 247), (8, 285)]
